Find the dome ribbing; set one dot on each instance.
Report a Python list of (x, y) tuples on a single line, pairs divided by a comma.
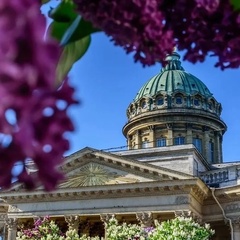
[(173, 78)]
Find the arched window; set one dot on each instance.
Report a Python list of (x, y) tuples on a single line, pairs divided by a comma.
[(160, 101), (179, 99), (197, 142), (179, 140), (161, 142), (210, 106), (144, 104), (196, 102)]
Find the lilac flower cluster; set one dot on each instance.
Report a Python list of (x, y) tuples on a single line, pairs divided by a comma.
[(151, 28), (32, 110), (204, 27), (137, 25), (43, 228)]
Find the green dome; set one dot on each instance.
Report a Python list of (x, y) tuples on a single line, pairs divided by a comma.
[(173, 78)]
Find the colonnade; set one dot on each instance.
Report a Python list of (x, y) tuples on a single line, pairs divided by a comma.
[(146, 219)]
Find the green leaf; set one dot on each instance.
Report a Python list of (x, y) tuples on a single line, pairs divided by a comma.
[(64, 12), (236, 4), (71, 53), (66, 32), (77, 30), (70, 31), (58, 29)]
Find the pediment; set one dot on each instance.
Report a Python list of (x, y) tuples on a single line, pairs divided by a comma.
[(91, 167), (94, 173)]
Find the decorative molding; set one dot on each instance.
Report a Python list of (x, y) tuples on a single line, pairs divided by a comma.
[(188, 213), (145, 218), (183, 213), (199, 193), (236, 224), (13, 208), (233, 207), (3, 217), (11, 223), (182, 200)]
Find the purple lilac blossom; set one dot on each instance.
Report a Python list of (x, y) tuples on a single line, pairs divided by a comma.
[(151, 28), (136, 25), (27, 88)]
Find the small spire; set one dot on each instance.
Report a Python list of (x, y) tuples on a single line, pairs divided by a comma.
[(173, 56), (173, 61)]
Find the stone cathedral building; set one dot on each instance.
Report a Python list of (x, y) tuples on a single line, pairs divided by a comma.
[(173, 166)]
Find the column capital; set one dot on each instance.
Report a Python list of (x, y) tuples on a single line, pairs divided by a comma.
[(72, 221), (106, 217), (145, 218), (11, 223), (236, 223), (188, 214)]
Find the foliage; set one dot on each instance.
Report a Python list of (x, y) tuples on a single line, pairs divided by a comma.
[(150, 29), (33, 112), (179, 228), (44, 229), (115, 231), (35, 94)]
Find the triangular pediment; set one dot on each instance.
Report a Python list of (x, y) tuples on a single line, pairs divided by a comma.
[(94, 173), (91, 167)]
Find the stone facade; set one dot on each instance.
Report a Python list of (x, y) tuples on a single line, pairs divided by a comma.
[(173, 166)]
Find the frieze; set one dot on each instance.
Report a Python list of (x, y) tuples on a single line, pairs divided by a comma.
[(182, 200), (233, 207)]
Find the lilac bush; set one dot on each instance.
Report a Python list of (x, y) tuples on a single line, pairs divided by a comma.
[(32, 110), (43, 229)]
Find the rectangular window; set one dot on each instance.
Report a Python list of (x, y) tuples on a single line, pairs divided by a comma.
[(179, 140), (161, 142), (197, 142)]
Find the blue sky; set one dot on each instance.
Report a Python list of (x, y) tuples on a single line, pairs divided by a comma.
[(107, 80)]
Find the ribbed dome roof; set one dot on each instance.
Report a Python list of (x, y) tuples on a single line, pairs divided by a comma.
[(173, 78)]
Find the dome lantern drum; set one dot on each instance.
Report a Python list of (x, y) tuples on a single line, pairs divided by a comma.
[(166, 104)]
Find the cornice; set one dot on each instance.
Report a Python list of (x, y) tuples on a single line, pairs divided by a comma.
[(158, 188), (164, 116), (228, 194), (124, 164)]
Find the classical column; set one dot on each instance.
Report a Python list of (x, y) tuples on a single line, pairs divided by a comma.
[(2, 225), (145, 218), (236, 229), (138, 140), (73, 222), (170, 135), (189, 138), (12, 228), (218, 150), (105, 219), (151, 136), (206, 144)]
